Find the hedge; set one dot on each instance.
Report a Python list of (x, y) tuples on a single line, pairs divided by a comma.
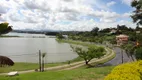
[(127, 71)]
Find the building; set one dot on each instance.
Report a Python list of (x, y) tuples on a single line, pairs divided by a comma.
[(121, 39), (113, 31), (65, 36)]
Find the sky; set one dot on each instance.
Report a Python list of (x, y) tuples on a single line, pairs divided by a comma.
[(66, 15)]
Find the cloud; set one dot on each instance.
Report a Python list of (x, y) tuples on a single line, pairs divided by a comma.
[(36, 4), (127, 2), (64, 15), (126, 15), (68, 0), (2, 18), (4, 7), (105, 14), (111, 3), (14, 16), (105, 20), (114, 24)]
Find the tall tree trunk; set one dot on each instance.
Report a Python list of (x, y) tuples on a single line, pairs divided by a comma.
[(86, 62), (39, 61), (42, 64)]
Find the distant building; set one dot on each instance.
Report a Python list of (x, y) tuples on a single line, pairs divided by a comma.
[(121, 39), (65, 36), (113, 31), (138, 32)]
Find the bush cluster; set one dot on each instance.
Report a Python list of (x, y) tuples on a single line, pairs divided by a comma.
[(128, 71)]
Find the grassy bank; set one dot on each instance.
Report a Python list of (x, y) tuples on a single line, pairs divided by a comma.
[(31, 66), (26, 66), (76, 74), (75, 42), (88, 44)]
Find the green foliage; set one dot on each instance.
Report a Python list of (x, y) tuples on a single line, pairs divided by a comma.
[(26, 66), (128, 71), (139, 38), (3, 26), (139, 53), (129, 49), (110, 54), (137, 17), (122, 27), (132, 37), (106, 30), (94, 31), (59, 36), (43, 55), (92, 52), (76, 74)]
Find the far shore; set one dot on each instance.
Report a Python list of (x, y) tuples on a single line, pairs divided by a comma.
[(7, 36)]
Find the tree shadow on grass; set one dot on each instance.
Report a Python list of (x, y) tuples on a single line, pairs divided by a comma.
[(98, 65)]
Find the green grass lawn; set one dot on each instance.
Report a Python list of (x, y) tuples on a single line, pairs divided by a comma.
[(26, 66), (82, 73), (30, 66)]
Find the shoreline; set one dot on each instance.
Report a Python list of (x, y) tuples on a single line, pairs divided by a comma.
[(32, 66)]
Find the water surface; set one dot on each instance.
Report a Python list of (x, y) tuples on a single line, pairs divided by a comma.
[(26, 48)]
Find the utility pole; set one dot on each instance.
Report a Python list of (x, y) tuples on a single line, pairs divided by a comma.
[(122, 54), (39, 60)]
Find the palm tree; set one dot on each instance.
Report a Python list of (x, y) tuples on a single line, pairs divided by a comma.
[(43, 55), (5, 61)]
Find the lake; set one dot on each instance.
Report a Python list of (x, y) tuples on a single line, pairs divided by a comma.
[(26, 48)]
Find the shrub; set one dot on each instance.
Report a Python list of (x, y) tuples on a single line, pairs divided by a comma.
[(128, 71), (138, 53)]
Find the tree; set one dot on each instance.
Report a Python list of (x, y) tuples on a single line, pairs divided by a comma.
[(105, 30), (4, 28), (59, 36), (137, 16), (139, 53), (88, 55), (94, 31), (5, 61), (43, 55), (129, 49), (122, 27)]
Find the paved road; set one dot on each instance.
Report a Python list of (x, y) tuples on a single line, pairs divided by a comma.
[(118, 59)]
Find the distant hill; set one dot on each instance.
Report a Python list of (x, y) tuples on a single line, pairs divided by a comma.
[(46, 32)]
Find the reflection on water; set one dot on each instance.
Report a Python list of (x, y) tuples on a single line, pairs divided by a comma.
[(26, 49)]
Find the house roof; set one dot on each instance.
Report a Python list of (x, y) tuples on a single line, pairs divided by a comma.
[(122, 35)]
